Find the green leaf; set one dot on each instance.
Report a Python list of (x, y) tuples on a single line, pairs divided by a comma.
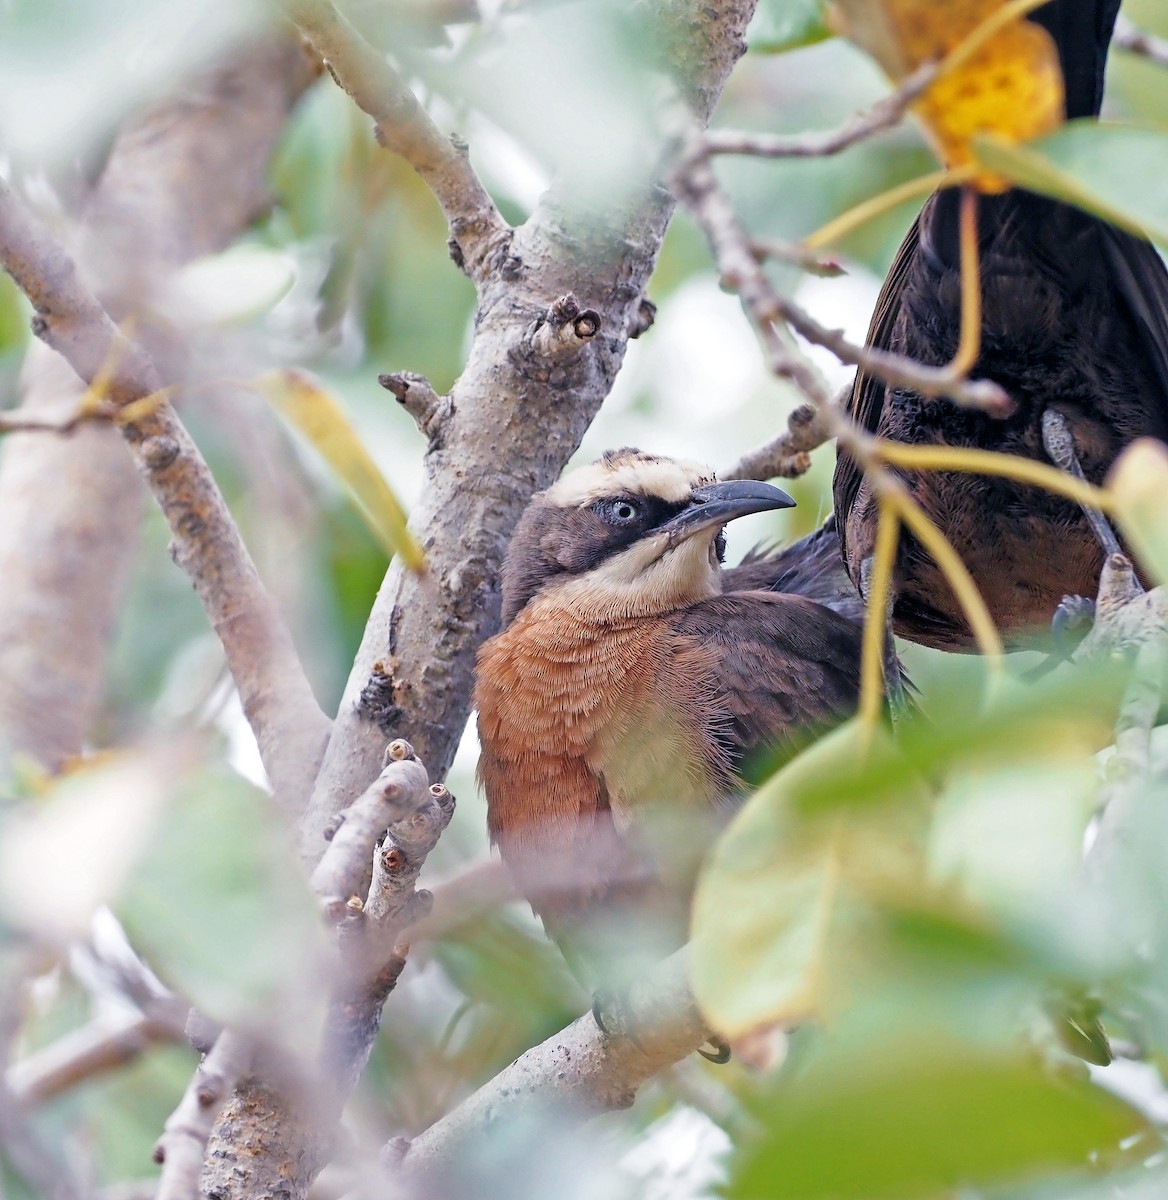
[(791, 892), (1109, 170), (221, 908), (760, 940), (1139, 483), (769, 911), (780, 25), (924, 1117)]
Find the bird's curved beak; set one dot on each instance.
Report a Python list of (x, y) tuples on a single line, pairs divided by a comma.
[(718, 503)]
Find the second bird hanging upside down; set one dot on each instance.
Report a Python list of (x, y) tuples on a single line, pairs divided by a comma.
[(633, 679), (1074, 327)]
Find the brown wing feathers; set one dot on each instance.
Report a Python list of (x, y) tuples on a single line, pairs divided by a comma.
[(784, 666)]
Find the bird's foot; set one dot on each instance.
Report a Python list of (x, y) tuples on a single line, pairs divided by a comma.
[(716, 1051), (1071, 623), (610, 1012)]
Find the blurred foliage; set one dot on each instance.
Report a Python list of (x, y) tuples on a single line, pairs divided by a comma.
[(780, 25), (925, 910)]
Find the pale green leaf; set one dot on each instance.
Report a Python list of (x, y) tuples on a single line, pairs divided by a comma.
[(1114, 171), (924, 1117), (780, 25), (70, 850), (221, 908), (769, 903), (1139, 483)]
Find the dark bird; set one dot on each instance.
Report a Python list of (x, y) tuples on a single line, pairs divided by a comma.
[(631, 682), (1074, 328)]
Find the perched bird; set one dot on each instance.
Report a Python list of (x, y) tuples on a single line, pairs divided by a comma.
[(632, 680), (1074, 328)]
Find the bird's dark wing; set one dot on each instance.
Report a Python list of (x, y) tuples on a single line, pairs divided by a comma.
[(780, 668), (812, 567), (866, 401), (1141, 279)]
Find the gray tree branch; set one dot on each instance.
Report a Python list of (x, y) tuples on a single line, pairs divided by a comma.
[(768, 308), (509, 425), (398, 792), (296, 1118), (887, 113), (94, 1049), (577, 1074), (183, 1144)]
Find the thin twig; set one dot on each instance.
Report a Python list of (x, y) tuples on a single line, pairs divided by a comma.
[(188, 1129), (277, 699), (13, 422), (477, 228), (797, 255), (1136, 41), (711, 207), (789, 455), (886, 113)]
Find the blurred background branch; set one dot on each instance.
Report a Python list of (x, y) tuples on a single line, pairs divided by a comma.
[(181, 181), (289, 726), (575, 1074), (1136, 41)]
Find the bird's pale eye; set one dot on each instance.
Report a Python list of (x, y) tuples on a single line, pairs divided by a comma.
[(623, 511)]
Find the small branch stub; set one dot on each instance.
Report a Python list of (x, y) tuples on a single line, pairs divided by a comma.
[(399, 791), (789, 455), (643, 320), (415, 394), (378, 702), (565, 328)]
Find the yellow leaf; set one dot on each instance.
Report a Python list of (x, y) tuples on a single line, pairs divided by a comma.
[(1008, 83), (312, 410)]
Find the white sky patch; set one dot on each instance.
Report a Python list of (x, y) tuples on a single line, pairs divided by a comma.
[(700, 361), (1138, 1083), (243, 753), (843, 303), (681, 1157), (506, 165)]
